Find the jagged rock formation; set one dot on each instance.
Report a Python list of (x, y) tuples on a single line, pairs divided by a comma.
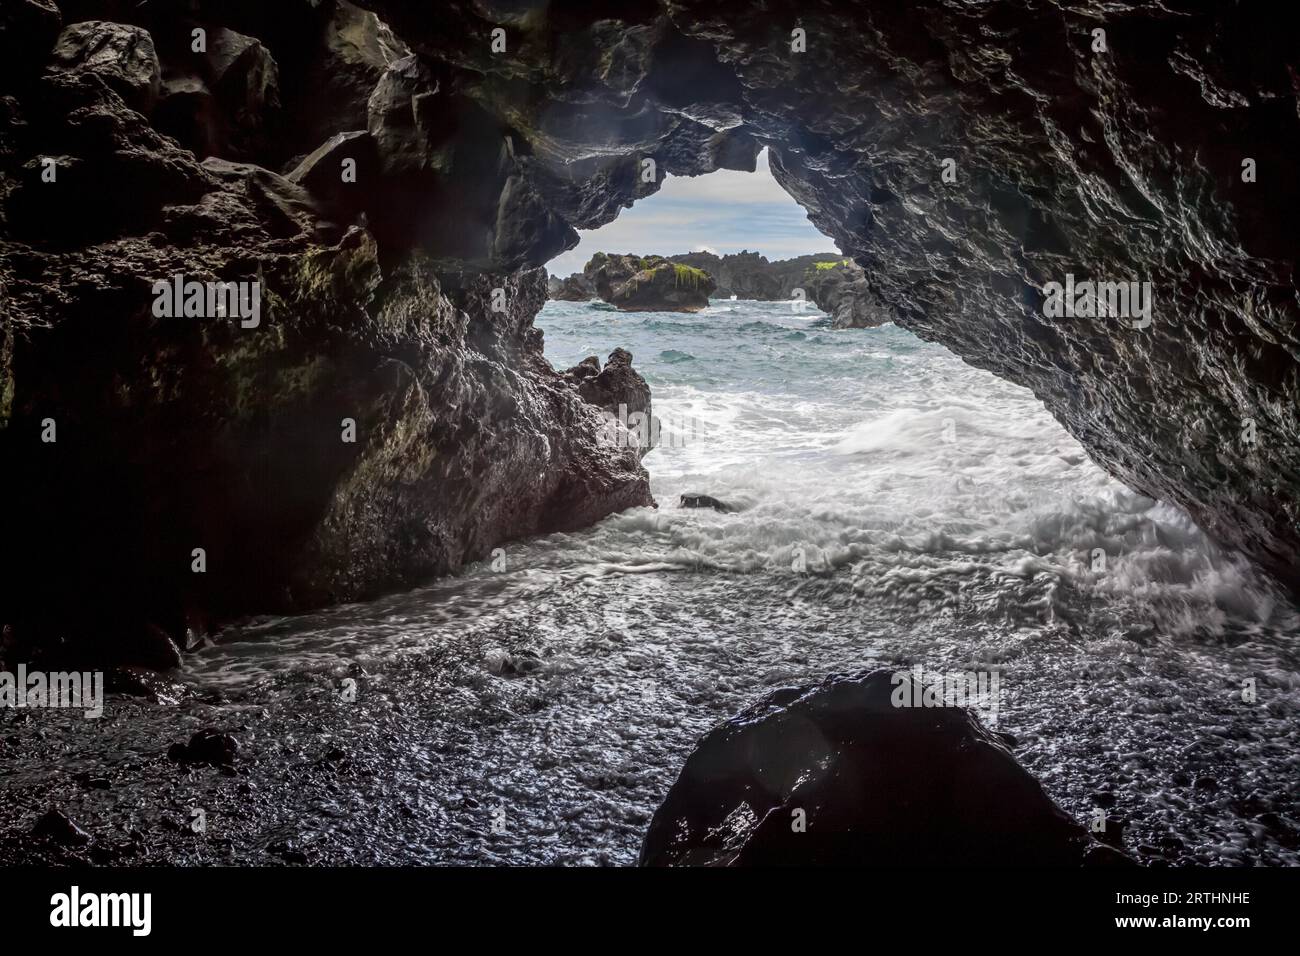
[(382, 418), (1161, 150), (749, 275), (838, 775), (648, 283), (576, 288), (622, 395), (841, 290)]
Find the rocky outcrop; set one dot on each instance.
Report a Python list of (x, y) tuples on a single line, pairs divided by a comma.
[(648, 283), (841, 290), (840, 775), (576, 288), (120, 55), (622, 395), (748, 275), (358, 417)]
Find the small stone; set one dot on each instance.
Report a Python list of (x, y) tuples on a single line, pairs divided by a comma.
[(59, 828)]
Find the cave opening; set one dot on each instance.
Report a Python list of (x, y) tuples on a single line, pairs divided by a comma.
[(409, 530)]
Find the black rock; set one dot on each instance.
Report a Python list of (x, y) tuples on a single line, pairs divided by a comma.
[(576, 288), (706, 501), (57, 827), (123, 56), (872, 783), (208, 747)]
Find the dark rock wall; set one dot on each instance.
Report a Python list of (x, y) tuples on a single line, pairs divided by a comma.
[(389, 417)]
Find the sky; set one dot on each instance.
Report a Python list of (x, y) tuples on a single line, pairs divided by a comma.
[(722, 212)]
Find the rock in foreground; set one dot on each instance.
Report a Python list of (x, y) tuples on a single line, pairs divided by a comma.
[(878, 786), (649, 283)]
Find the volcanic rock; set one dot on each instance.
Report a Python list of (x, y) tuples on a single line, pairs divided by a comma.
[(837, 775), (841, 290), (28, 30), (576, 288), (58, 827), (206, 746), (122, 56), (693, 500), (648, 284), (621, 394), (224, 100)]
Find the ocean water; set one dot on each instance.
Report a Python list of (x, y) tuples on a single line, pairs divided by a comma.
[(893, 507)]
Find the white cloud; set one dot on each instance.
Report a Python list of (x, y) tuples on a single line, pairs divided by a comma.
[(722, 212)]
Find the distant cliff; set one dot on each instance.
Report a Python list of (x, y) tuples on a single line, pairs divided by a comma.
[(833, 283), (748, 275)]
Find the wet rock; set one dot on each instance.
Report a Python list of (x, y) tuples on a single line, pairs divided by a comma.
[(576, 288), (841, 289), (58, 827), (621, 393), (496, 660), (122, 56), (835, 774), (286, 851), (146, 683), (692, 500), (206, 746), (648, 283), (1104, 799), (93, 782)]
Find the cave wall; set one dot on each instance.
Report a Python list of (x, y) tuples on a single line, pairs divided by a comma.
[(1115, 157), (478, 153)]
